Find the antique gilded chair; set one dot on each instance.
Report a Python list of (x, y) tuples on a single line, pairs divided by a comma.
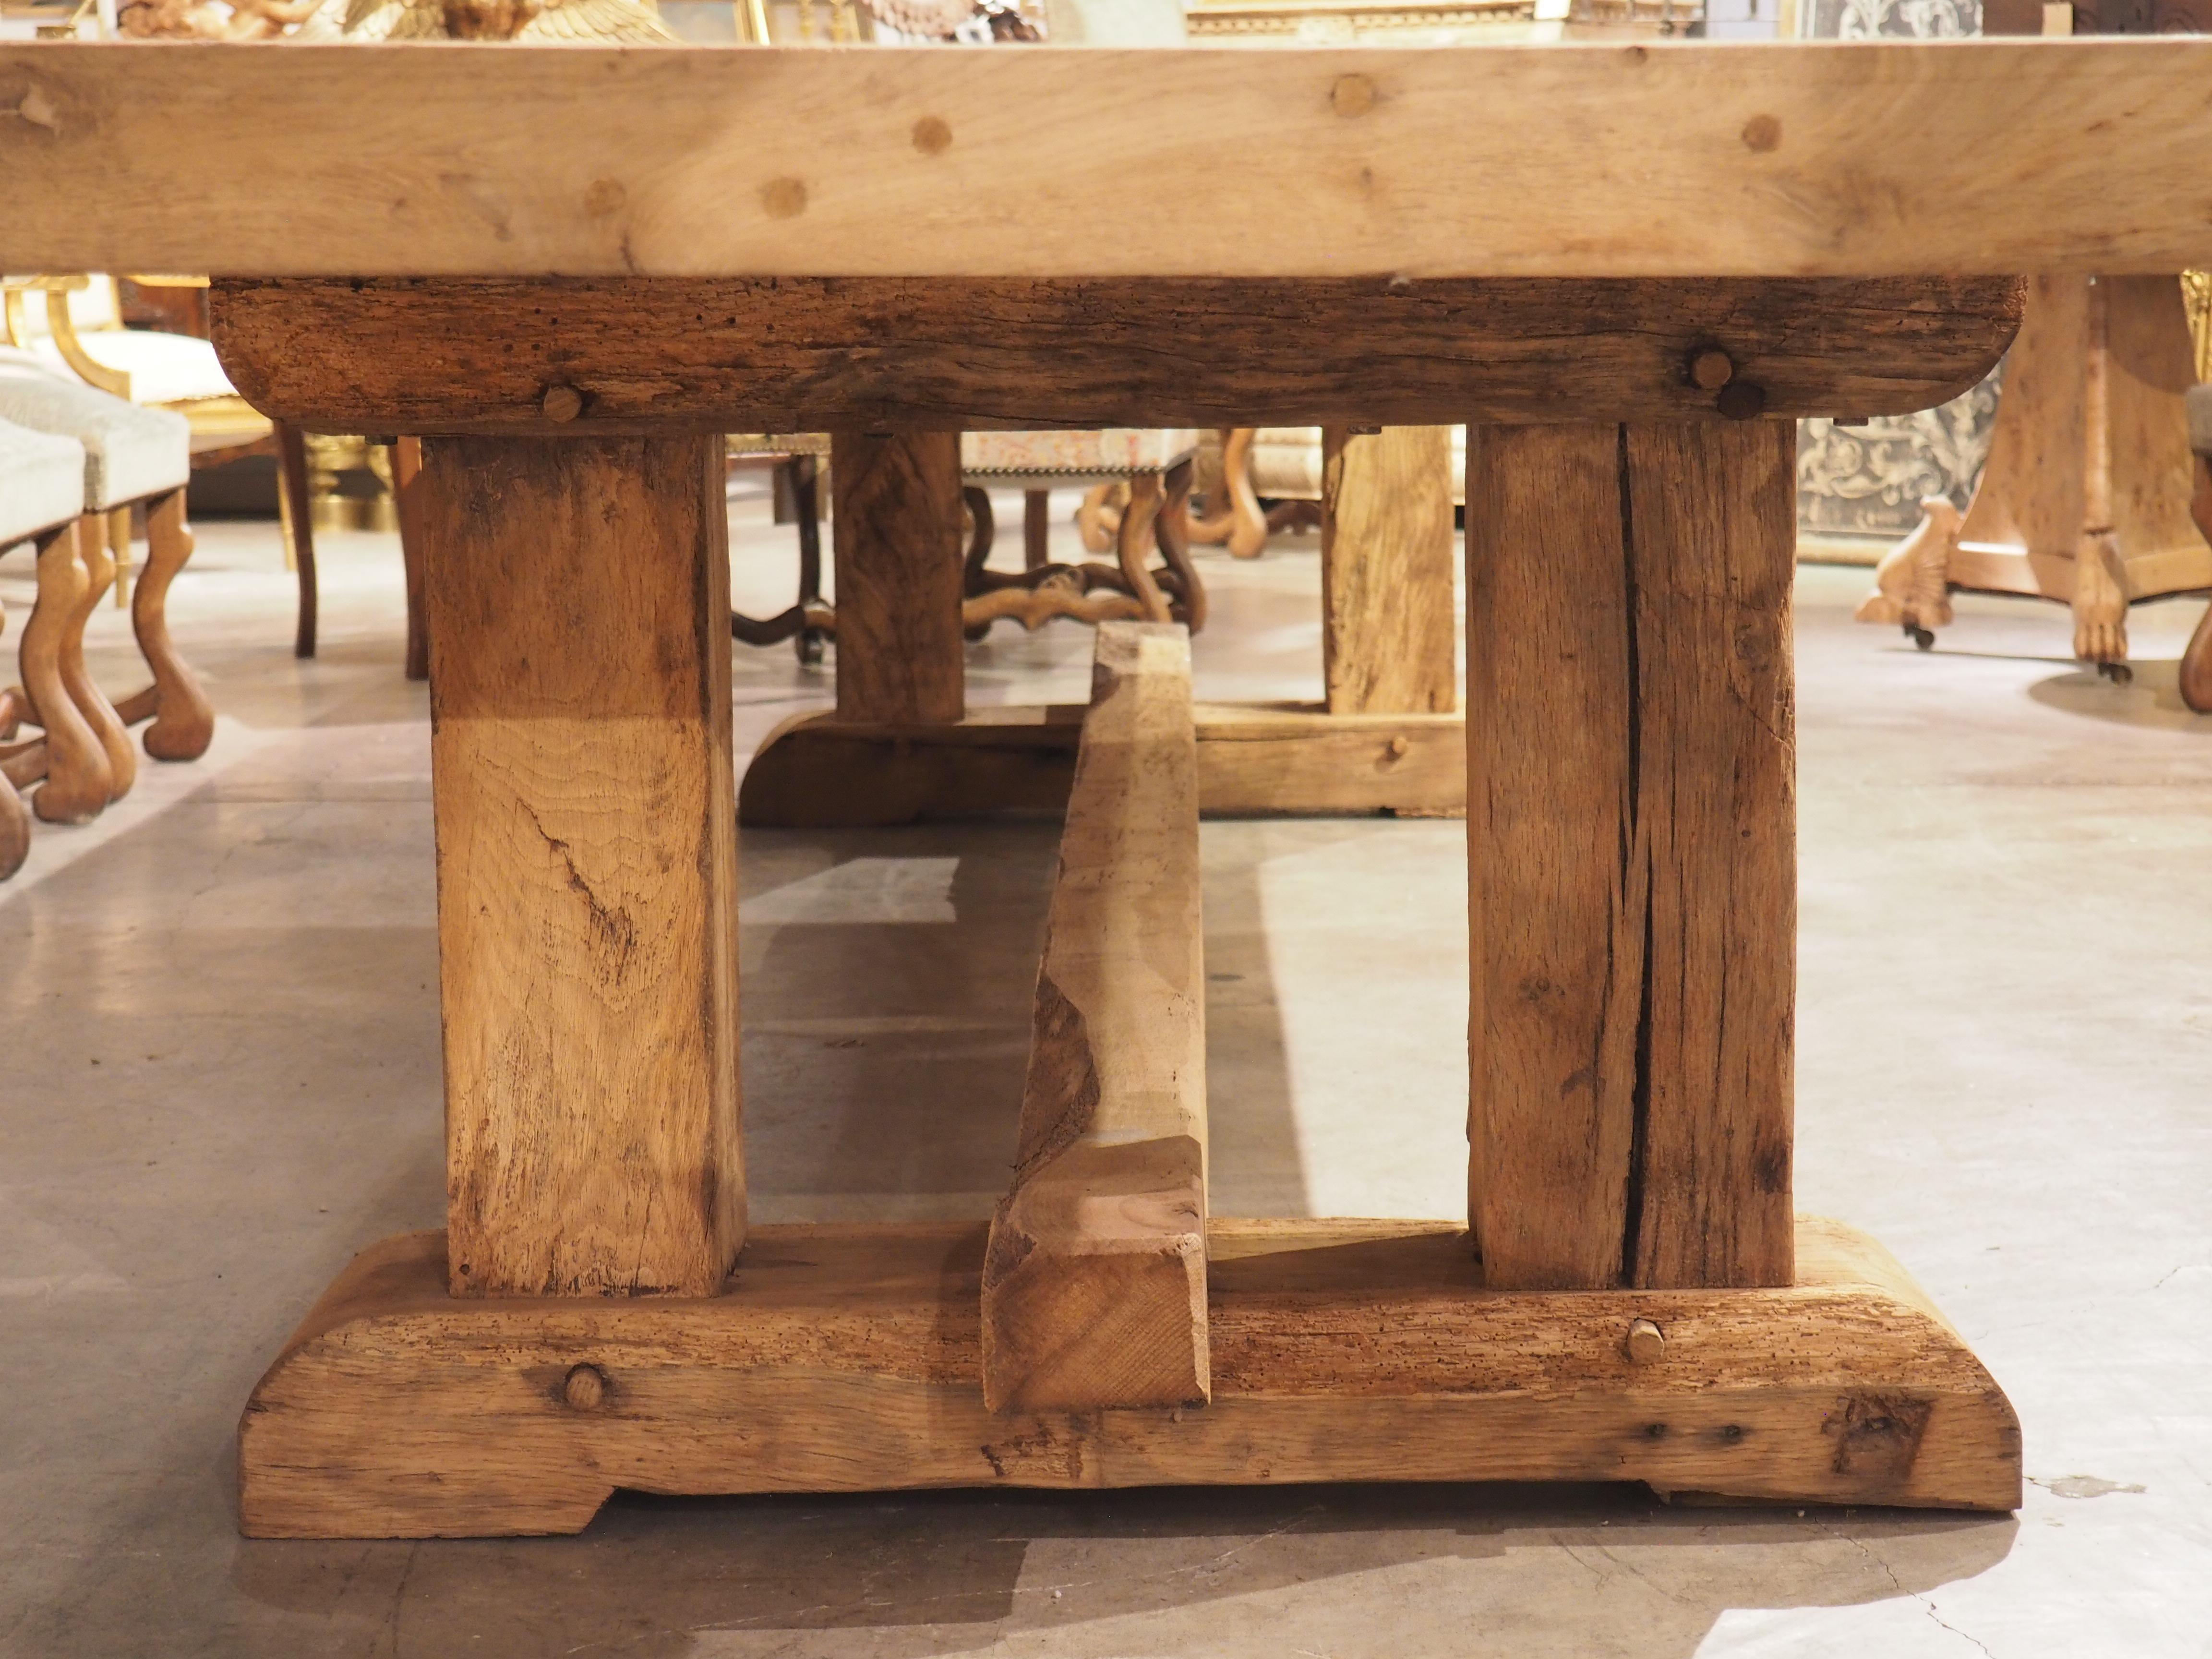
[(132, 457), (42, 498), (74, 326)]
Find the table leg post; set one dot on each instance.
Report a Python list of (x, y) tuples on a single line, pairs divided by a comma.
[(897, 537), (579, 661), (1631, 835), (1386, 571)]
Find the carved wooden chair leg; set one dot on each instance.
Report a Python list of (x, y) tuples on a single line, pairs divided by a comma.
[(805, 475), (183, 719), (14, 829), (119, 544), (76, 785), (407, 501), (15, 817), (76, 678), (2196, 660), (1911, 583), (299, 528), (1249, 528), (1136, 541), (2099, 605), (1211, 528), (1037, 529), (1235, 520), (1098, 520), (982, 531), (1171, 530)]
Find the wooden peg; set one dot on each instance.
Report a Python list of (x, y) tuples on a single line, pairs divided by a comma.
[(1647, 1343), (563, 403), (1711, 369), (585, 1386)]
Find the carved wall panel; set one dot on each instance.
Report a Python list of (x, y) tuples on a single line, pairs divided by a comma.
[(1869, 480)]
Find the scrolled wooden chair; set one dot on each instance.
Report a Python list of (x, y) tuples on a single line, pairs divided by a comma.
[(1282, 465), (132, 457), (1155, 469)]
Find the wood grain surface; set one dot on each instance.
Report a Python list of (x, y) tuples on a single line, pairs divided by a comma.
[(580, 766), (797, 354), (816, 771), (1631, 837), (1682, 159), (1094, 1283), (897, 537), (846, 1359), (1389, 571)]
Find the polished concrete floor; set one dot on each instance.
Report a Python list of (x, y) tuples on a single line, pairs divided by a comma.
[(219, 1077)]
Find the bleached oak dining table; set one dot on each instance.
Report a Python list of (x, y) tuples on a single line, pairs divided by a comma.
[(1625, 269)]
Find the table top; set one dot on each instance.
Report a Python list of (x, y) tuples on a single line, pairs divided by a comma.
[(1690, 159)]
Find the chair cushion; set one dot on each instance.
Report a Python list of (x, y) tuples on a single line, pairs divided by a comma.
[(164, 368), (41, 481), (129, 452), (1286, 462), (2200, 418), (1114, 452)]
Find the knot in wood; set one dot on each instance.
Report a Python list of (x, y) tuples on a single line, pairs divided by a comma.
[(1352, 94)]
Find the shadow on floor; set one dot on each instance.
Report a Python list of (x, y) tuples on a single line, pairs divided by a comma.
[(1468, 1570)]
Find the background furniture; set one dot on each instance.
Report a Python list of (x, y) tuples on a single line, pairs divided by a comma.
[(2085, 498), (75, 325), (795, 461), (2196, 660), (41, 496), (133, 457), (1153, 470), (1285, 466)]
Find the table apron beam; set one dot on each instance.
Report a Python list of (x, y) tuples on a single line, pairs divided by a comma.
[(898, 353)]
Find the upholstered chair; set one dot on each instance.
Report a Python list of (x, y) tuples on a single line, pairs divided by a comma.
[(41, 497), (133, 457)]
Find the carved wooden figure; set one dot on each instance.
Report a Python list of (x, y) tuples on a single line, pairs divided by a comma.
[(2085, 498)]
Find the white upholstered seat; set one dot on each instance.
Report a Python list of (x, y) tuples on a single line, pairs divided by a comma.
[(41, 481), (1286, 462), (164, 368), (129, 452), (1040, 459)]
